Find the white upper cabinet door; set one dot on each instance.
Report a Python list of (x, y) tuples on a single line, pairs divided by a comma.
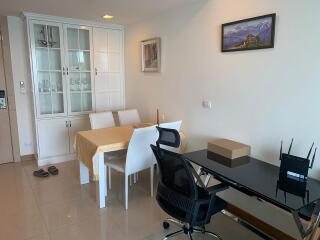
[(46, 40), (100, 39), (114, 40), (79, 71), (108, 69), (53, 137), (77, 125)]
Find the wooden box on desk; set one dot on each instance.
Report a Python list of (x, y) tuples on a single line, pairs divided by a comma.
[(228, 148)]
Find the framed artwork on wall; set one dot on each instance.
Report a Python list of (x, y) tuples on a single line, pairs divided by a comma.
[(248, 34), (150, 52)]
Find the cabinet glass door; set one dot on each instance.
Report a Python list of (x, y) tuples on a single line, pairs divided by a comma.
[(79, 69), (46, 46)]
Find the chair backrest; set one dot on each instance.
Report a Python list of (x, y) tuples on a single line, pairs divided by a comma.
[(168, 137), (127, 117), (139, 154), (173, 125), (101, 120), (175, 173)]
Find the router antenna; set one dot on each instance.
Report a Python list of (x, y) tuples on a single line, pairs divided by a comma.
[(290, 146), (314, 156), (280, 157), (310, 150)]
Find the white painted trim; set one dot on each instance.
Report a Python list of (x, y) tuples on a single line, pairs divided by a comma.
[(56, 159), (37, 16)]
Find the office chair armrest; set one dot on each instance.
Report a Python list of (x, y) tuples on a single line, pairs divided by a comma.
[(217, 188)]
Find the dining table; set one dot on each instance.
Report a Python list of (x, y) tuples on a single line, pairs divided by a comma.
[(90, 148)]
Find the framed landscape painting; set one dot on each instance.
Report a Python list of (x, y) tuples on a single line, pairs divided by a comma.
[(150, 51), (249, 34)]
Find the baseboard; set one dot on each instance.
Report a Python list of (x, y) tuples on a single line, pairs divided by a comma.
[(30, 157), (56, 159)]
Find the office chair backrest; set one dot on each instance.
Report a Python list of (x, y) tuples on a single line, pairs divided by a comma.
[(101, 120), (129, 117), (175, 173), (172, 125), (168, 137), (139, 154)]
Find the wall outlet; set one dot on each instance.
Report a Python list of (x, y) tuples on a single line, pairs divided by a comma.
[(206, 104)]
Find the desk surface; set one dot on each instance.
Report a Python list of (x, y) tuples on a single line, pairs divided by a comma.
[(257, 177)]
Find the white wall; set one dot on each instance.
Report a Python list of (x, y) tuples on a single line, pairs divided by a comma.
[(259, 97), (21, 72)]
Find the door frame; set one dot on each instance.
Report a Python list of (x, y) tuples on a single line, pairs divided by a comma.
[(6, 61)]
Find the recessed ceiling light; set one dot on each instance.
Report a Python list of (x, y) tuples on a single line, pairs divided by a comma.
[(107, 16)]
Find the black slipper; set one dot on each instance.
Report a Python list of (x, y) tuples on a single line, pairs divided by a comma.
[(40, 173), (53, 170)]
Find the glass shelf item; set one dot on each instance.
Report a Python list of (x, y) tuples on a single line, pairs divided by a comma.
[(46, 36), (75, 82), (85, 82), (56, 82)]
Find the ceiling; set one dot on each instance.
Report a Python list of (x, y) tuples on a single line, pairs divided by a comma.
[(124, 11)]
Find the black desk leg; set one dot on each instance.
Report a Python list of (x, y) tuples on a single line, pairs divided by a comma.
[(310, 232)]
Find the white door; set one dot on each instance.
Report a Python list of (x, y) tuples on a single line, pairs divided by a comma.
[(76, 125), (53, 137), (48, 68), (5, 133), (79, 69), (108, 69)]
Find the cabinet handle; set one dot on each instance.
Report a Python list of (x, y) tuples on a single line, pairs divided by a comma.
[(67, 125), (63, 71), (67, 71), (96, 71), (70, 125)]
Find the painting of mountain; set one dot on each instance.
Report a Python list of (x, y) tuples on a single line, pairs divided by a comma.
[(249, 34)]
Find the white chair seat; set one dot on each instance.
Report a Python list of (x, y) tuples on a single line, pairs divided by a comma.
[(117, 163)]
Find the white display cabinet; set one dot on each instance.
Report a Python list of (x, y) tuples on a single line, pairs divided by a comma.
[(76, 69)]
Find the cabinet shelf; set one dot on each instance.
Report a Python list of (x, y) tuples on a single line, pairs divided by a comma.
[(47, 48)]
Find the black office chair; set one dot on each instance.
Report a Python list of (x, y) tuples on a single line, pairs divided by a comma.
[(179, 193)]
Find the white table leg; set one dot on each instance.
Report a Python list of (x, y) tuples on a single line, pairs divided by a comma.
[(84, 173), (101, 191)]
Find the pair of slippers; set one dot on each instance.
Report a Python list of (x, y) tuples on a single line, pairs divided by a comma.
[(42, 173)]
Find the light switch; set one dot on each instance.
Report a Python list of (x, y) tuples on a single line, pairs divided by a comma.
[(22, 87), (206, 104)]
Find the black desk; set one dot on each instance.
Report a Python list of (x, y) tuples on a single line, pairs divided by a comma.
[(259, 178)]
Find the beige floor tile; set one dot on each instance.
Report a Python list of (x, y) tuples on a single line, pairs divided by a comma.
[(59, 208), (40, 237), (21, 226), (97, 228), (62, 213)]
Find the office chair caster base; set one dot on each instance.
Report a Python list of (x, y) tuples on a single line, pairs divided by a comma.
[(186, 230), (203, 231), (165, 225)]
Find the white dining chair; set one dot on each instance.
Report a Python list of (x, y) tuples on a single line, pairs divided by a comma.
[(105, 120), (139, 157), (129, 117), (101, 120)]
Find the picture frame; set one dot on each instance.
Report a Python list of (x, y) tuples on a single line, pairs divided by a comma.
[(248, 34), (151, 55)]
